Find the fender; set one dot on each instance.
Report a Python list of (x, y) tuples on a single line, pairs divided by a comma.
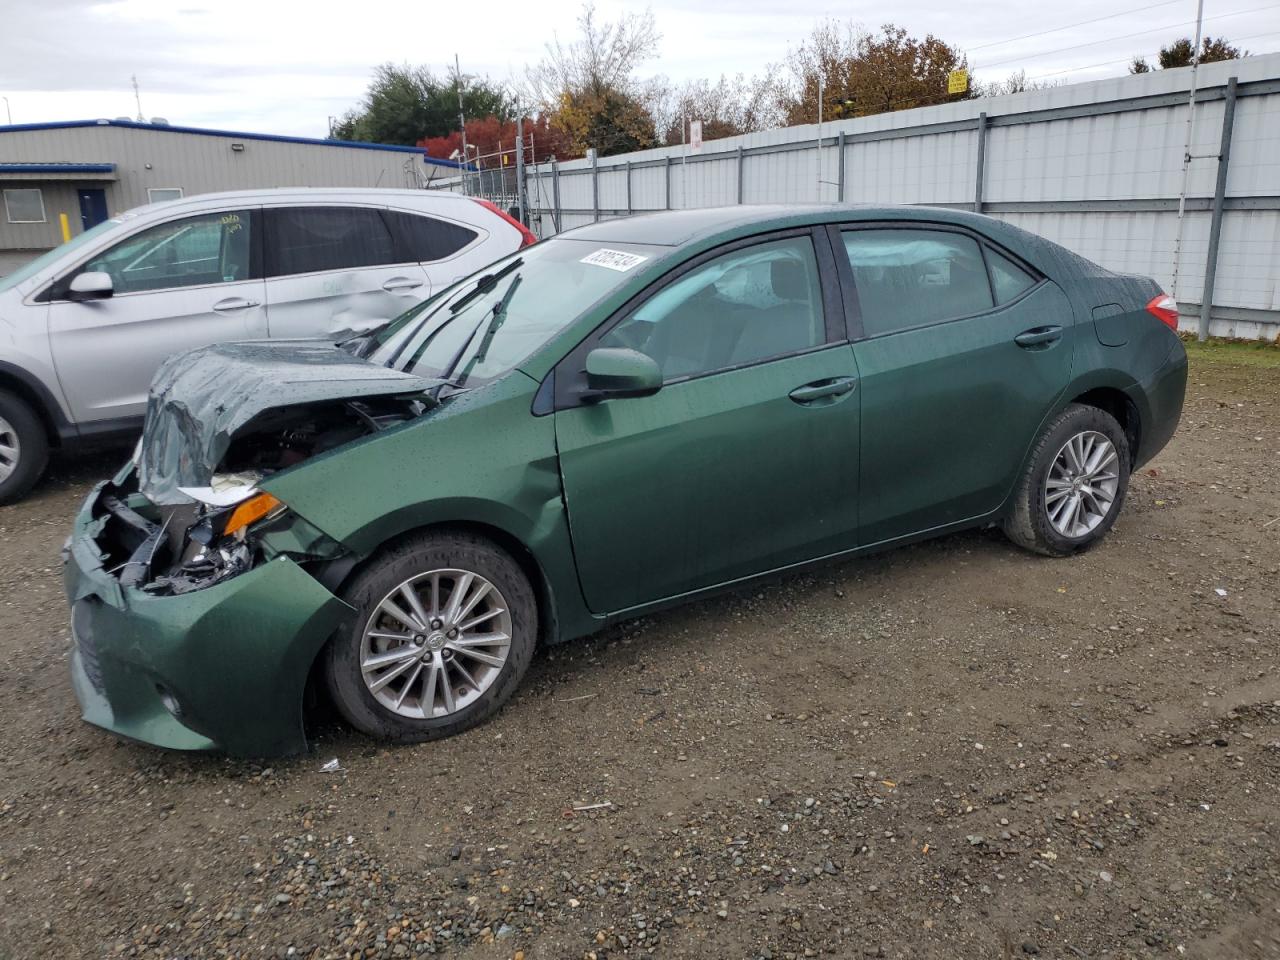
[(47, 408)]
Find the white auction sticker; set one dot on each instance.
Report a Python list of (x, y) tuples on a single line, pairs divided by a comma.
[(614, 259)]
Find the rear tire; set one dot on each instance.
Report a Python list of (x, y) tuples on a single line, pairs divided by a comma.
[(1074, 486), (416, 666), (24, 447)]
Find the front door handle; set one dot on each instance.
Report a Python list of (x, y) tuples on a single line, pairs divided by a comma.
[(234, 303), (401, 283), (823, 389), (1038, 337)]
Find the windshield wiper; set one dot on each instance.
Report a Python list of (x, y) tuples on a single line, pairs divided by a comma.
[(483, 285), (494, 319), (495, 322)]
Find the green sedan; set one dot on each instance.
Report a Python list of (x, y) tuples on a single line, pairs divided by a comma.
[(622, 418)]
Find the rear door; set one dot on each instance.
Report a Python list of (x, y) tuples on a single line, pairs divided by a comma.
[(963, 350), (185, 283), (746, 459), (336, 270)]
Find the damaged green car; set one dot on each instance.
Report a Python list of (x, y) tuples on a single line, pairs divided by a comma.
[(613, 421)]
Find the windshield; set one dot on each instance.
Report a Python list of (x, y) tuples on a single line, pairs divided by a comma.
[(488, 324), (57, 253)]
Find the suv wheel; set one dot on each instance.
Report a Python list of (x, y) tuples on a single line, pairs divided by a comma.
[(1074, 486), (24, 448), (446, 626)]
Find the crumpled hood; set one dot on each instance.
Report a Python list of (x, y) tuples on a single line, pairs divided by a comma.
[(200, 398)]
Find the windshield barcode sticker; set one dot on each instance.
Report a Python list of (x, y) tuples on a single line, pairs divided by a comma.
[(614, 259)]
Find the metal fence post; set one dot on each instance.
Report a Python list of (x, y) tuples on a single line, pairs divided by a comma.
[(555, 194), (982, 162), (740, 162), (840, 168), (629, 211), (1219, 195), (595, 187), (522, 204), (667, 182)]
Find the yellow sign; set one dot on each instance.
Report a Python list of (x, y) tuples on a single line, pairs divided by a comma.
[(957, 81)]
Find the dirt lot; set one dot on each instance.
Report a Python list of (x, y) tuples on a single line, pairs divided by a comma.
[(951, 751)]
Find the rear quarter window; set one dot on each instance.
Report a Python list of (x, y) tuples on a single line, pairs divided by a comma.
[(424, 238)]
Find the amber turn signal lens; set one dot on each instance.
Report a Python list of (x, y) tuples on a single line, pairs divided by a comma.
[(251, 511)]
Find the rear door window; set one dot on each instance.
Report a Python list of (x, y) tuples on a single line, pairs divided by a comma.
[(315, 239), (910, 278), (424, 239)]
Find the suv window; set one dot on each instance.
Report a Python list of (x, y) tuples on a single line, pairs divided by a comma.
[(311, 239), (193, 251), (746, 306), (908, 278), (1007, 278), (426, 238)]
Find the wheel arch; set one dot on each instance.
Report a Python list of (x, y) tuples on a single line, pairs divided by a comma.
[(336, 575), (21, 384), (1119, 404)]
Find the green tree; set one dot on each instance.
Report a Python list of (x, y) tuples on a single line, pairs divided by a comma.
[(406, 104), (588, 88), (864, 73), (1180, 52)]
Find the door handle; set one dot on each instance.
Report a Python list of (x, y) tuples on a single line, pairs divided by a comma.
[(1038, 337), (823, 389), (401, 283), (234, 303)]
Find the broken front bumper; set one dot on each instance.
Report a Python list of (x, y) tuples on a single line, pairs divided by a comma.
[(224, 667)]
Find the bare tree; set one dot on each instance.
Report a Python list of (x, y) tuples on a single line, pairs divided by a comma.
[(604, 57)]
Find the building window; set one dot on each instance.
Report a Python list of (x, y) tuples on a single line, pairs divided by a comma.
[(24, 206), (161, 194)]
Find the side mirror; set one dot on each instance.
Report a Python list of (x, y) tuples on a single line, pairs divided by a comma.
[(619, 372), (91, 286)]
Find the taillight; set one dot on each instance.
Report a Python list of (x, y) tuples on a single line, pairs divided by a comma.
[(527, 235), (1165, 309)]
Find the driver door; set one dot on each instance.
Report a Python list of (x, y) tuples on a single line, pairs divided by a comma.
[(746, 460), (176, 285)]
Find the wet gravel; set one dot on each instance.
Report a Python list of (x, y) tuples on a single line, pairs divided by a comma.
[(952, 750)]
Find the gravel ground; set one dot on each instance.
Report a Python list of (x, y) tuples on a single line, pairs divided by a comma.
[(954, 750)]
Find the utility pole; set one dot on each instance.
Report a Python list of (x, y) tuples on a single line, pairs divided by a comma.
[(819, 135), (7, 112), (462, 120)]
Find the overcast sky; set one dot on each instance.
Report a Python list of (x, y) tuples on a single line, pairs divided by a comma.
[(280, 66)]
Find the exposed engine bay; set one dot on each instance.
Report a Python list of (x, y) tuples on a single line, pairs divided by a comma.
[(221, 530)]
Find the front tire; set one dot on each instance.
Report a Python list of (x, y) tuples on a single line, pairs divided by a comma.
[(1074, 486), (445, 629), (24, 448)]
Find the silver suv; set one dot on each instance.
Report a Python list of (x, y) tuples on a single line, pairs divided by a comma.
[(84, 327)]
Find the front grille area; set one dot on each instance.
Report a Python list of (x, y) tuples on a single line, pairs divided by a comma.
[(84, 642)]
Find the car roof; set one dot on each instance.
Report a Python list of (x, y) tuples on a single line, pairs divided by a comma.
[(317, 193), (681, 227)]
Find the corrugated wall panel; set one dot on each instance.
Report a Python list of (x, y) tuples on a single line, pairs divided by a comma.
[(1126, 154)]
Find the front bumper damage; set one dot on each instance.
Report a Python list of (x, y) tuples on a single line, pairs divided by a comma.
[(223, 667)]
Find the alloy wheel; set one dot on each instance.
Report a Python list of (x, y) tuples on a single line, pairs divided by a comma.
[(1080, 489), (435, 643), (10, 449)]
